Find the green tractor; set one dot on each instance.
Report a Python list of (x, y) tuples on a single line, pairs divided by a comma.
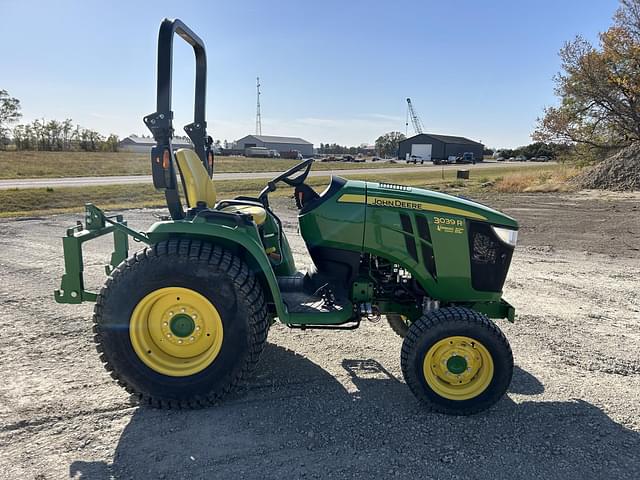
[(182, 322)]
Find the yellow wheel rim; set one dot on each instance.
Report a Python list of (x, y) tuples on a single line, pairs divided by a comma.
[(458, 368), (176, 331)]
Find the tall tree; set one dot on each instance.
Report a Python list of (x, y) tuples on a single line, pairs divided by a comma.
[(9, 112), (67, 129), (599, 88), (387, 144)]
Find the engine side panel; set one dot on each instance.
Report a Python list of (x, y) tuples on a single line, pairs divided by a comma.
[(427, 235)]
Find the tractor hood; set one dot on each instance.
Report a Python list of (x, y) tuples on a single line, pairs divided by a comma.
[(415, 198)]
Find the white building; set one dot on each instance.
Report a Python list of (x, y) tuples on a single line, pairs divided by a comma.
[(144, 144)]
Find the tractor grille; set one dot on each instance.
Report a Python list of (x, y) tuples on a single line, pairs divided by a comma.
[(490, 258), (424, 241)]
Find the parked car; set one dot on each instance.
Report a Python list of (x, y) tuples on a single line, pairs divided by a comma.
[(540, 159), (444, 161), (500, 159), (351, 158), (466, 157), (260, 152), (512, 159), (292, 154), (521, 158), (376, 159), (415, 159)]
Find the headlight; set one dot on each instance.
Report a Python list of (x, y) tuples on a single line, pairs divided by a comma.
[(510, 237)]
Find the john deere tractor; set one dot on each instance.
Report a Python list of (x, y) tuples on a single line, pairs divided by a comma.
[(182, 321)]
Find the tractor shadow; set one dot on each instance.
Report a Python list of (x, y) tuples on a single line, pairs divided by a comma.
[(297, 420)]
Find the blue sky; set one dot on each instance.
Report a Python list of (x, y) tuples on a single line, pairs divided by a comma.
[(331, 71)]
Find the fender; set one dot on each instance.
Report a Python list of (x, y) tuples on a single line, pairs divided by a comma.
[(240, 237)]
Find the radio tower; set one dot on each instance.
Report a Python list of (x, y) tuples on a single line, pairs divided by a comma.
[(258, 116)]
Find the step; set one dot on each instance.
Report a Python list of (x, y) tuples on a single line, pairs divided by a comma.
[(300, 302)]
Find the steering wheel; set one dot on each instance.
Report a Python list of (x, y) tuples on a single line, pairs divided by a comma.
[(285, 177)]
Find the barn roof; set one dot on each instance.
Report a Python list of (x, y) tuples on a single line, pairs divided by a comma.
[(132, 139), (448, 139), (275, 139)]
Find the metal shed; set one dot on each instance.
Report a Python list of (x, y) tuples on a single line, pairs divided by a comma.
[(144, 144), (439, 146), (281, 144)]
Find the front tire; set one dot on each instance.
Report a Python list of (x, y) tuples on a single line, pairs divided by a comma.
[(180, 324), (398, 324), (456, 361)]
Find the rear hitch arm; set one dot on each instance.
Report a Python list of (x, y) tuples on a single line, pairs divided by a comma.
[(98, 224)]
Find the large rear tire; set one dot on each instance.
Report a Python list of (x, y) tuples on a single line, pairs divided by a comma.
[(180, 324), (456, 361)]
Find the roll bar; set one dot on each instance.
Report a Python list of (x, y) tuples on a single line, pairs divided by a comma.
[(160, 123)]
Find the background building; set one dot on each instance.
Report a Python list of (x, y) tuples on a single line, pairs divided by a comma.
[(281, 144), (438, 147), (144, 144)]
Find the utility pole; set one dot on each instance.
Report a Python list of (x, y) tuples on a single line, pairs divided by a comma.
[(258, 115), (406, 125)]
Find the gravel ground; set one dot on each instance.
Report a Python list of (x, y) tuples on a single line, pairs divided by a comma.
[(333, 404)]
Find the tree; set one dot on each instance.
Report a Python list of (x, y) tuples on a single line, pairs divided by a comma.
[(110, 144), (387, 144), (67, 129), (599, 88), (9, 112)]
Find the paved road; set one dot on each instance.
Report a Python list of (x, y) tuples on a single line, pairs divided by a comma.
[(129, 179)]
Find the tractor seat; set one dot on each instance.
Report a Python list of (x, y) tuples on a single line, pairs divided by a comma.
[(200, 188)]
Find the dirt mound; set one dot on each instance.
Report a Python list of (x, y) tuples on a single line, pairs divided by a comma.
[(620, 172)]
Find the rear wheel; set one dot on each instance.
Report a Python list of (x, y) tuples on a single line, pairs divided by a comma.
[(180, 324), (456, 361)]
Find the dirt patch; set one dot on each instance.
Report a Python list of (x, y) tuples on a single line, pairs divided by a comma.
[(333, 404), (619, 172)]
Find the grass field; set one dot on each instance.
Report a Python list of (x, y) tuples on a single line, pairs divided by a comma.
[(41, 201), (90, 164)]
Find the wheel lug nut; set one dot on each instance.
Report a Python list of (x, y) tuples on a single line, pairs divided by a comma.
[(192, 339), (182, 310), (171, 314), (179, 341)]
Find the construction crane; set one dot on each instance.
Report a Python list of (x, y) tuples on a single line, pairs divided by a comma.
[(258, 114), (415, 119)]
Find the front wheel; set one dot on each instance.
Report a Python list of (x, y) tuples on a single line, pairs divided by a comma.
[(181, 323), (398, 324), (456, 361)]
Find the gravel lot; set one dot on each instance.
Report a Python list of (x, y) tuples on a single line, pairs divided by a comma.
[(333, 404)]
